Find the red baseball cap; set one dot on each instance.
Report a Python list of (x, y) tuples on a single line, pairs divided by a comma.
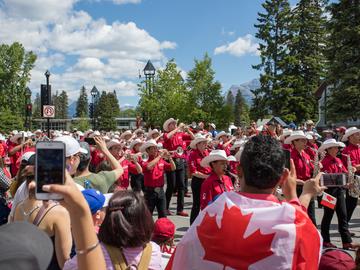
[(164, 227), (336, 260), (341, 129)]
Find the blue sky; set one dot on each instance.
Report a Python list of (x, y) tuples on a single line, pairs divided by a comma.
[(105, 42)]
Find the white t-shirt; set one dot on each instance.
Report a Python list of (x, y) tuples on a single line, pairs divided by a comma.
[(21, 194)]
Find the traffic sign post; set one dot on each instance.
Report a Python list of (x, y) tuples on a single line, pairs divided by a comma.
[(48, 111)]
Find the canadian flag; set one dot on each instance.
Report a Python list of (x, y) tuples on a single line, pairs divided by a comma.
[(249, 231), (328, 201)]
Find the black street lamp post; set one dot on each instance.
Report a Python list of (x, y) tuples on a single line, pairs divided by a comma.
[(47, 75), (28, 108), (149, 72)]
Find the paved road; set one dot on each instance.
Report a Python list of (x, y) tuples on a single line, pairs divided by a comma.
[(182, 223)]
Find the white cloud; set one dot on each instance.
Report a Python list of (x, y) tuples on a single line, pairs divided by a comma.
[(108, 55), (241, 46), (121, 2)]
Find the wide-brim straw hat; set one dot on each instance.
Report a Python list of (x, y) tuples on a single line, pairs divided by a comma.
[(295, 135), (330, 143), (349, 132), (148, 144), (220, 134), (198, 138), (112, 143), (125, 133), (135, 142), (168, 122), (215, 155)]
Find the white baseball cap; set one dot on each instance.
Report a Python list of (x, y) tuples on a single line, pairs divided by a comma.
[(72, 146)]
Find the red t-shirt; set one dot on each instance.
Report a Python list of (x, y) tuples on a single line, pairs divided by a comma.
[(287, 146), (311, 150), (303, 165), (354, 152), (226, 149), (155, 176), (175, 141), (333, 165), (212, 187), (195, 158)]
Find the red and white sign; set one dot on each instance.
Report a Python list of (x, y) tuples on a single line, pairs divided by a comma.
[(328, 201), (49, 111)]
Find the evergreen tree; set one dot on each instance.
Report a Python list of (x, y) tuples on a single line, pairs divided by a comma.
[(107, 110), (63, 105), (230, 99), (304, 65), (273, 32), (241, 110), (343, 55), (82, 107), (37, 107), (205, 97)]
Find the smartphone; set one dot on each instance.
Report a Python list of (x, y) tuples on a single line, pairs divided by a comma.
[(333, 179), (49, 168), (90, 141), (287, 158)]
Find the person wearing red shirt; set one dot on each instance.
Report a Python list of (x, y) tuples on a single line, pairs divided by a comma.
[(18, 144), (154, 169), (352, 135), (198, 173), (285, 133), (332, 164), (173, 139), (217, 182), (303, 165), (136, 179), (311, 146), (225, 142)]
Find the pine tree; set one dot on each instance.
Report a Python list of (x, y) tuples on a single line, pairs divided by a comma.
[(343, 55), (63, 104), (37, 107), (304, 65), (82, 107), (241, 110), (273, 31), (107, 109), (230, 99)]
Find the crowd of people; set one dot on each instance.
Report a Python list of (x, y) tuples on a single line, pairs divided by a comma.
[(254, 192)]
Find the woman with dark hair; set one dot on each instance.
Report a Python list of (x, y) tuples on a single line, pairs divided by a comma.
[(125, 234)]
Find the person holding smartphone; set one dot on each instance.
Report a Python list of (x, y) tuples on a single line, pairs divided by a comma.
[(48, 216), (332, 164)]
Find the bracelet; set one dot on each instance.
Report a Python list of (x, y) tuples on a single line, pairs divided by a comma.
[(89, 249)]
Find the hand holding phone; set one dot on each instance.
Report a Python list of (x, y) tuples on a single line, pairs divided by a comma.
[(333, 180), (49, 168)]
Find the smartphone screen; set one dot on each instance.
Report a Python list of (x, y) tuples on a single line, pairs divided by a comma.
[(49, 167), (90, 141), (287, 158), (333, 180)]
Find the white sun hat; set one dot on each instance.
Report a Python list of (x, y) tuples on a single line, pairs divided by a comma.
[(330, 143), (214, 155), (135, 142), (139, 130), (237, 144), (112, 143), (197, 138), (152, 132), (221, 133), (2, 137), (349, 132), (148, 144), (125, 133), (286, 132), (313, 134), (72, 146), (167, 123), (295, 135), (88, 132), (17, 136)]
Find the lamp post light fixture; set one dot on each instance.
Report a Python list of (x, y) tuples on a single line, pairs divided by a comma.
[(149, 72), (47, 75), (94, 99)]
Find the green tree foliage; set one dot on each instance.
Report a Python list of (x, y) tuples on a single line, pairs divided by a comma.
[(82, 104), (82, 123), (107, 110), (241, 110), (61, 103), (10, 121), (128, 113), (15, 67), (229, 103), (37, 107), (343, 55), (205, 100), (168, 99), (273, 34)]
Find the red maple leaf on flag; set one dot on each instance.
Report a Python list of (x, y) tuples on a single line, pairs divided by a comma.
[(226, 245)]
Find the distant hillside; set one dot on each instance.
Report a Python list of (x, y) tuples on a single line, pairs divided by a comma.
[(245, 89), (72, 108)]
